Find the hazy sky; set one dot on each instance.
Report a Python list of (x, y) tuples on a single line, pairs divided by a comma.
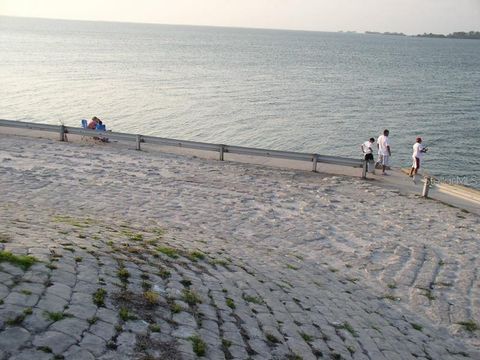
[(408, 16)]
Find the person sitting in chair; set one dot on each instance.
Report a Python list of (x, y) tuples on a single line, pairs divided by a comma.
[(94, 122), (97, 124)]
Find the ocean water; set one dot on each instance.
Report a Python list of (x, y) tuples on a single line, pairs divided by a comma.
[(288, 90)]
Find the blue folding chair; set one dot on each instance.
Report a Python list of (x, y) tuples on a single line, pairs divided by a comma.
[(102, 127)]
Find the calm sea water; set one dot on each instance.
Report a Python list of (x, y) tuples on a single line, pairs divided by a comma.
[(301, 91)]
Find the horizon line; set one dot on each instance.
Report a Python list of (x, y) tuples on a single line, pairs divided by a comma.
[(360, 32), (213, 26)]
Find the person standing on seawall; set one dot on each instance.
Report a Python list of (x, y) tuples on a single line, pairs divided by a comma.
[(384, 151), (418, 150), (368, 153)]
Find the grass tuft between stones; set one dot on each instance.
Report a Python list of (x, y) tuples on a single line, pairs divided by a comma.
[(22, 261), (272, 338), (253, 299), (417, 327), (346, 326), (230, 303), (175, 308), (164, 273), (170, 252), (125, 315), (16, 320), (92, 320), (470, 325), (45, 349), (191, 297), (306, 337), (226, 343), (123, 274), (198, 345), (196, 255), (154, 328), (55, 316), (99, 297), (293, 357), (28, 311), (151, 297)]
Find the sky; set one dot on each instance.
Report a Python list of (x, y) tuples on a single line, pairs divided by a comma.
[(407, 16)]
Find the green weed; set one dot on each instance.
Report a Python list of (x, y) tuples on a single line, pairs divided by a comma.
[(154, 327), (191, 297), (253, 299), (199, 346), (196, 255), (151, 298), (55, 316), (306, 337), (175, 308), (170, 252), (99, 297), (417, 327), (470, 325), (230, 303), (16, 320), (125, 315), (22, 261), (123, 274), (346, 326)]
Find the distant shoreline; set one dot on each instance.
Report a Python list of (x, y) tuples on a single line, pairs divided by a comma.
[(471, 35)]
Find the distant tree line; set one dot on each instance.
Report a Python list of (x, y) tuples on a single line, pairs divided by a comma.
[(455, 35)]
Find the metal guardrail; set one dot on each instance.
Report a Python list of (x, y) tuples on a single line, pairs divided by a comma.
[(220, 148), (461, 192)]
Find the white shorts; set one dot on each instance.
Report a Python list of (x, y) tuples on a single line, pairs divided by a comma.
[(383, 159), (416, 162)]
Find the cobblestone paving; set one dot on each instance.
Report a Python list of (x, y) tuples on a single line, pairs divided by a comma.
[(111, 291), (132, 285)]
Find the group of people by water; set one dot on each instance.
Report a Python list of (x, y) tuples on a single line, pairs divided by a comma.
[(385, 152), (383, 147)]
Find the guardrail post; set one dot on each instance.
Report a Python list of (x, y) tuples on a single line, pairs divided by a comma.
[(139, 140), (315, 161), (62, 132), (222, 151), (364, 169), (426, 186)]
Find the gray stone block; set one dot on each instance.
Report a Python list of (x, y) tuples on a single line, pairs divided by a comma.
[(138, 327), (84, 312), (60, 290), (21, 299), (107, 315), (96, 345), (31, 355), (37, 321), (77, 353), (70, 326), (102, 329), (54, 340), (52, 303), (13, 338)]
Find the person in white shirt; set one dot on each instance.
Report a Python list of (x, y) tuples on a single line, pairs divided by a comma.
[(368, 153), (418, 150), (384, 151)]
